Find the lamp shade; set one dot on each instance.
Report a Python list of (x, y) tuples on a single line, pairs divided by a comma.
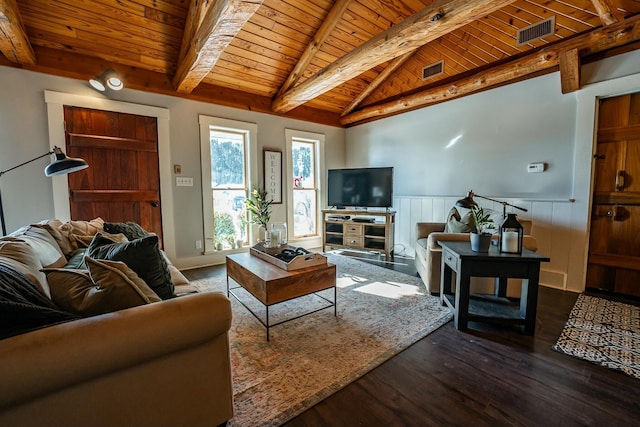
[(97, 83), (63, 164), (467, 202)]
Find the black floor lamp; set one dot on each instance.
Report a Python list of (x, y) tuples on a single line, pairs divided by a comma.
[(60, 166), (468, 203)]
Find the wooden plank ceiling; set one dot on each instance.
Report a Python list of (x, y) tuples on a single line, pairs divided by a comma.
[(339, 62)]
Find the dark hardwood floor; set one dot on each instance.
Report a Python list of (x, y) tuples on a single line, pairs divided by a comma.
[(487, 376)]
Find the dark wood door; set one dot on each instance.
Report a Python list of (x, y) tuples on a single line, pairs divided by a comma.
[(614, 243), (122, 182)]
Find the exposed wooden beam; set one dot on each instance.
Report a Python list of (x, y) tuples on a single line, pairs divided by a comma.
[(76, 66), (329, 23), (596, 41), (380, 78), (217, 24), (432, 22), (607, 11), (14, 43), (569, 70), (467, 86), (195, 14)]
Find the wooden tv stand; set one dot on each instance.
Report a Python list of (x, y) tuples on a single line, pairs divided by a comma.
[(339, 233)]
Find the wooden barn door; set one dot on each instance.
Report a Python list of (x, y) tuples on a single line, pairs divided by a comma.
[(614, 243), (122, 182)]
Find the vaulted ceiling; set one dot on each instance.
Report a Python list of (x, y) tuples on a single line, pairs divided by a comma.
[(339, 62)]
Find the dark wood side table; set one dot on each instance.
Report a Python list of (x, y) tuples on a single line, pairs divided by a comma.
[(458, 258)]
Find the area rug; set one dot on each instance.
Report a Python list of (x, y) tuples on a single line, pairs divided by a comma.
[(380, 312), (603, 332)]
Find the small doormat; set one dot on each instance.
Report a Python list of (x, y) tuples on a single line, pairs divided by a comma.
[(603, 332)]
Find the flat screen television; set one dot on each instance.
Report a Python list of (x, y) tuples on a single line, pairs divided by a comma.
[(360, 187)]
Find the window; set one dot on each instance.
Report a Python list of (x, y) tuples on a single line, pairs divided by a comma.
[(304, 155), (225, 151)]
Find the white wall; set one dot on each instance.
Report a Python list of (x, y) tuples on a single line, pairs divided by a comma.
[(27, 193), (481, 142), (484, 141)]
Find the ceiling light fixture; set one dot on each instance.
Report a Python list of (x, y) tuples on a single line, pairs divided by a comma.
[(109, 78)]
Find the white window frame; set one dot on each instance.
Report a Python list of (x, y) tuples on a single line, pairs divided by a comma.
[(319, 140), (251, 165)]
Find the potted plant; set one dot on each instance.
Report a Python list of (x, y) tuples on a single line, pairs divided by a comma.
[(481, 238), (259, 208)]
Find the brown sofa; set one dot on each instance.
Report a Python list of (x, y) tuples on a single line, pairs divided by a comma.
[(159, 363), (428, 256)]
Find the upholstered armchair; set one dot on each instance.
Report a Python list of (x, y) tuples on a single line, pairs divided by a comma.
[(428, 256)]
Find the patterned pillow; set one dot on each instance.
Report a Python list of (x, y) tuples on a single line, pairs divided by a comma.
[(458, 224)]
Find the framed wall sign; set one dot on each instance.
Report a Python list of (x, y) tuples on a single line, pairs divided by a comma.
[(273, 175)]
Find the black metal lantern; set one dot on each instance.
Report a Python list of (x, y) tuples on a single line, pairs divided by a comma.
[(510, 235)]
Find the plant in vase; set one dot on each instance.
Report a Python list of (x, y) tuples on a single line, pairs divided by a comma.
[(231, 240), (259, 208), (223, 226), (481, 238)]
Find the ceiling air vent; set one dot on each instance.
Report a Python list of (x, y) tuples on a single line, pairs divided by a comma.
[(536, 31), (432, 70)]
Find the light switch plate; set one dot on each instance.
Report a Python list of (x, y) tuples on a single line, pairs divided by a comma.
[(184, 181)]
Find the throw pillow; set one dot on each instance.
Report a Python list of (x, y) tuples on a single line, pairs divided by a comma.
[(20, 256), (80, 233), (23, 308), (76, 260), (130, 229), (61, 237), (458, 224), (141, 255), (84, 228), (83, 241), (106, 287), (44, 245)]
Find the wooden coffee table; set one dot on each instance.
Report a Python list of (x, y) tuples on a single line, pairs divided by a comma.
[(271, 285)]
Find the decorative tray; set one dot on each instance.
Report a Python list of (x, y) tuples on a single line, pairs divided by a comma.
[(288, 257)]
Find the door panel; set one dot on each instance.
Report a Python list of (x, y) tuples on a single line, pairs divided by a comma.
[(614, 243), (122, 182)]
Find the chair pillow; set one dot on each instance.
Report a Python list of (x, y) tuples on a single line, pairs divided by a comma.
[(458, 224), (141, 255), (106, 287)]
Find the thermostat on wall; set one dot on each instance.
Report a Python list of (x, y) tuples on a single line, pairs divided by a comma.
[(535, 167)]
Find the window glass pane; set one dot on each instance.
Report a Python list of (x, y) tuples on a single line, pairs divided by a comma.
[(303, 164), (304, 212), (227, 159), (229, 217), (228, 180)]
